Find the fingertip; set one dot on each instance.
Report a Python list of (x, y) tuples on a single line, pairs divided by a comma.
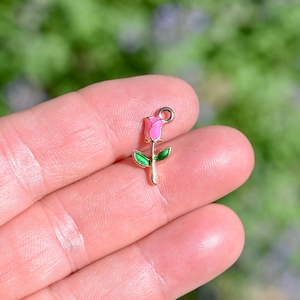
[(211, 161), (246, 150), (219, 237), (230, 150), (209, 241), (230, 230)]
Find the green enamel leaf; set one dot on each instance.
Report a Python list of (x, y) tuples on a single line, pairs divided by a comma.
[(141, 159), (163, 154)]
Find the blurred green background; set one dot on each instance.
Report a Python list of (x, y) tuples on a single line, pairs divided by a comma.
[(243, 59)]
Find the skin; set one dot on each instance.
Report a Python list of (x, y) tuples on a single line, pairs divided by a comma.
[(80, 220)]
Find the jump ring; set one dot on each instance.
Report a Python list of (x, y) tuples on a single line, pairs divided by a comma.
[(169, 110)]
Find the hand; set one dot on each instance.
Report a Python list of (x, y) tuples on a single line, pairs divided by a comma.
[(79, 219)]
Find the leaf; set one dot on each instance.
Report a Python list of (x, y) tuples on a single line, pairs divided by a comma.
[(141, 159), (163, 154)]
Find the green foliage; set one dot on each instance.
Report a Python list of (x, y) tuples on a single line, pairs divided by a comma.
[(241, 56), (141, 159), (163, 154)]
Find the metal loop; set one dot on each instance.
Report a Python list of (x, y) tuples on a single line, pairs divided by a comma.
[(169, 110)]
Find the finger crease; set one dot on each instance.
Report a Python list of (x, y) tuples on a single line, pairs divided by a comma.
[(158, 279), (68, 235), (110, 138), (25, 167), (164, 205)]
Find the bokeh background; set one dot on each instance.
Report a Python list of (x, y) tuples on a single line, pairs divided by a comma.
[(243, 59)]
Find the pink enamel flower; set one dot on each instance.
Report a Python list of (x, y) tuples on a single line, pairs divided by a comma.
[(153, 126)]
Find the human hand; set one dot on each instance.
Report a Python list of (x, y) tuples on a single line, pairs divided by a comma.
[(81, 221)]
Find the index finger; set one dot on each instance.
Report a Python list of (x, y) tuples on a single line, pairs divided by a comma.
[(63, 140)]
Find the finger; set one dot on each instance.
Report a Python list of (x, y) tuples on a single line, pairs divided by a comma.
[(167, 264), (61, 141), (117, 206)]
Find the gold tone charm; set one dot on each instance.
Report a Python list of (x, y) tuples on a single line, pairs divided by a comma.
[(153, 132)]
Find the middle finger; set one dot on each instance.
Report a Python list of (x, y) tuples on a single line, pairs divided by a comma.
[(116, 206)]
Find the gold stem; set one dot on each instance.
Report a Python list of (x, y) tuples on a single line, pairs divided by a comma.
[(153, 175)]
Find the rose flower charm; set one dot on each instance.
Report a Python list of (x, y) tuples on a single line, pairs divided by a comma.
[(153, 128)]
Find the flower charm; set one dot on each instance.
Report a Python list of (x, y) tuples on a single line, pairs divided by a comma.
[(153, 128)]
